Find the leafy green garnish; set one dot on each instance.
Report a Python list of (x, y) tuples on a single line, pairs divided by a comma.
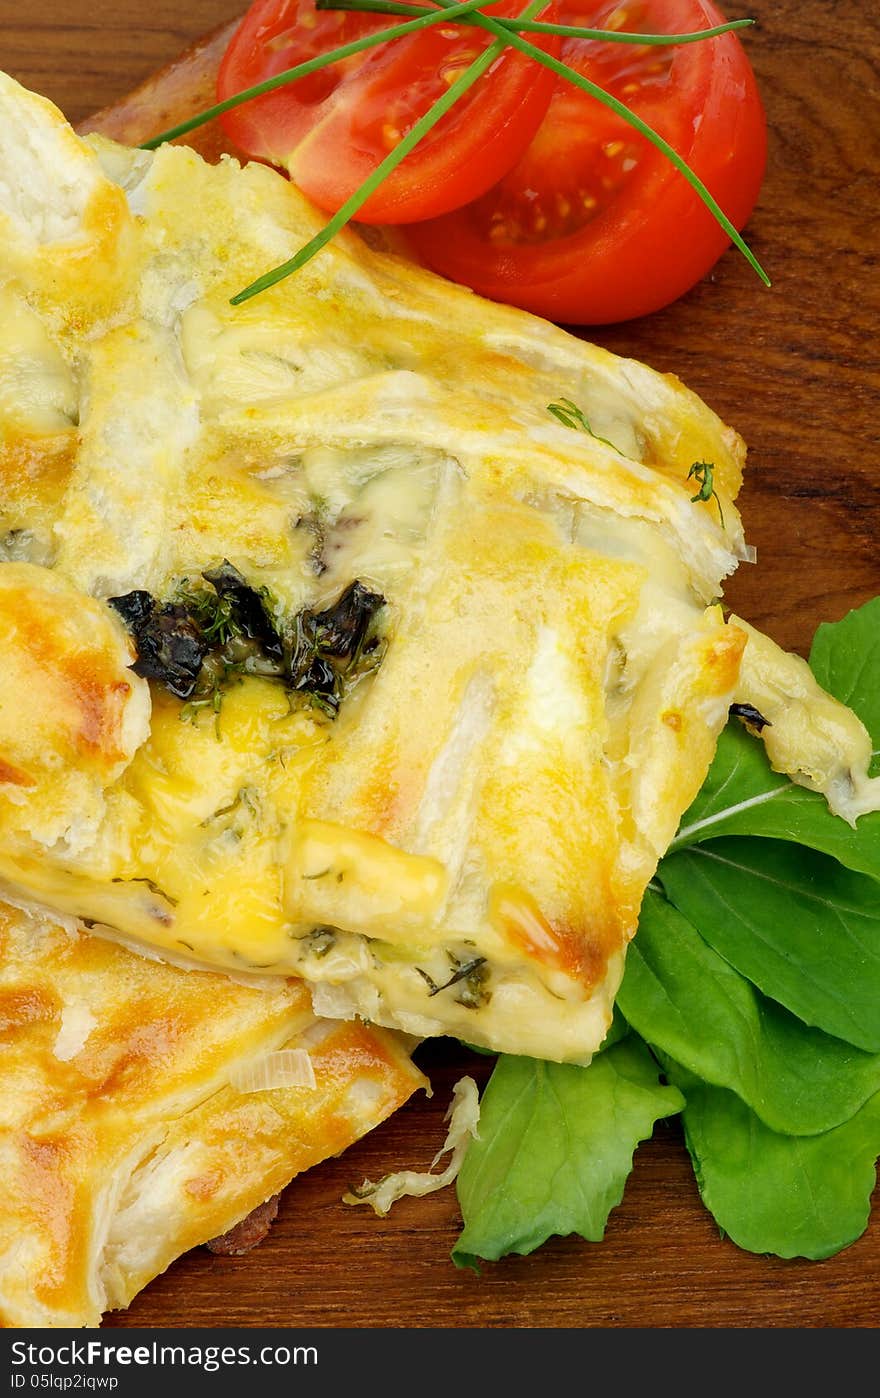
[(845, 658), (690, 1005), (743, 796), (782, 1083), (570, 415), (555, 1148), (804, 930), (795, 1196)]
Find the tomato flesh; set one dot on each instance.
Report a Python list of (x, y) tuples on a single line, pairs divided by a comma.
[(331, 129), (593, 224)]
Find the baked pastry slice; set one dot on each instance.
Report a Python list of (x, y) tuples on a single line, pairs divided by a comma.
[(139, 1117), (354, 660)]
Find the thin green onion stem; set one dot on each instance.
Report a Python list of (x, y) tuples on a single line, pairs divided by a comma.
[(537, 26), (593, 90), (607, 100), (416, 133), (424, 19)]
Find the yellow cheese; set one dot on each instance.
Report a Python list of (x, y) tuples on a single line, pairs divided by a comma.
[(360, 882)]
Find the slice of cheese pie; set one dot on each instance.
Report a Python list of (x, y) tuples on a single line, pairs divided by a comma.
[(325, 647), (146, 1109)]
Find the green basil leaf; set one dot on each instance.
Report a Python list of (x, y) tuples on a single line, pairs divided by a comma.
[(686, 1001), (795, 1196), (845, 659), (802, 928), (617, 1030), (555, 1148), (743, 796)]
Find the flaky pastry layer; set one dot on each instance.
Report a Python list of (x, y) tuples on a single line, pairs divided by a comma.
[(126, 1137)]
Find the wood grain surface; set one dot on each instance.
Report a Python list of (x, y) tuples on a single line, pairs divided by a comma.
[(797, 370)]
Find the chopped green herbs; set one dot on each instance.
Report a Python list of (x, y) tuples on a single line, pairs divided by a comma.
[(242, 610), (246, 804), (218, 628), (570, 415), (704, 473), (471, 974), (320, 941), (154, 888), (473, 991)]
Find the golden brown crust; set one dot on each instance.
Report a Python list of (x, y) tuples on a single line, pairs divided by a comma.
[(33, 475), (55, 234), (71, 711), (122, 1142)]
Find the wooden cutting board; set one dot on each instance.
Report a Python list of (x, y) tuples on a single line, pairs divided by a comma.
[(797, 370)]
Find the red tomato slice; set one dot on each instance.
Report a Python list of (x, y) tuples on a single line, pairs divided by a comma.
[(594, 224), (331, 129)]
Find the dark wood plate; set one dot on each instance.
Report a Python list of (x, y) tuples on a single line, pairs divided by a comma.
[(796, 369)]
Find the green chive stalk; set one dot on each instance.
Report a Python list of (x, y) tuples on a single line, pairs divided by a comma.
[(417, 133), (563, 71), (423, 20), (508, 32), (537, 26)]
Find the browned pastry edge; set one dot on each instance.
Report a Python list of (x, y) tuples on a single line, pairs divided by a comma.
[(246, 1234), (171, 95)]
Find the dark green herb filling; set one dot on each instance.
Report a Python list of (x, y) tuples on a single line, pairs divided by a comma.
[(218, 627), (470, 976), (321, 940)]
